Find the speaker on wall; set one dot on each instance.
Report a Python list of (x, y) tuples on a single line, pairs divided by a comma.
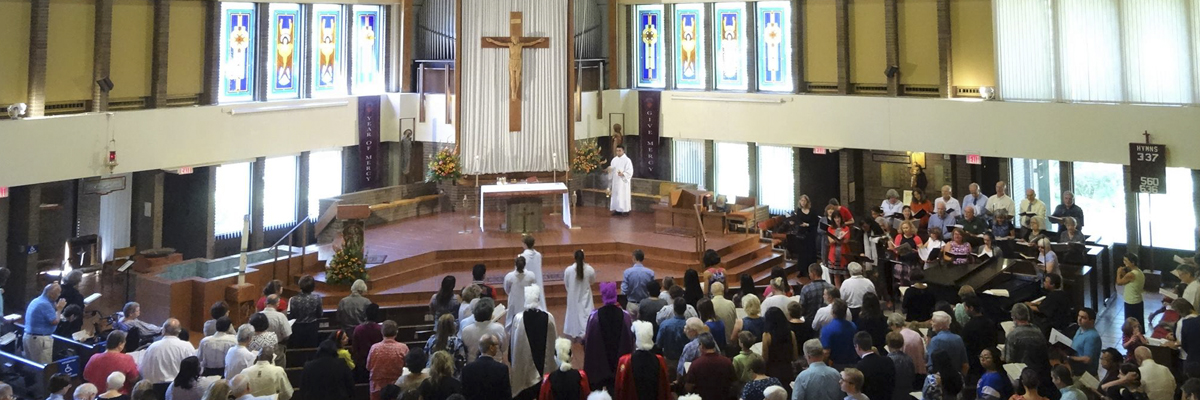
[(106, 84), (891, 71)]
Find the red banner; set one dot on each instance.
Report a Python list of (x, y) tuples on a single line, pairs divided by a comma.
[(649, 104)]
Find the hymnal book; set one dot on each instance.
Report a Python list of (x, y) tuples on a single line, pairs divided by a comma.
[(1168, 294), (12, 317), (951, 211), (839, 236), (915, 214), (1058, 339), (1014, 370), (1027, 214), (8, 338), (997, 292), (981, 255), (1038, 300), (1156, 342), (81, 336), (905, 249), (1055, 220), (291, 322), (1089, 381), (1008, 327), (90, 299)]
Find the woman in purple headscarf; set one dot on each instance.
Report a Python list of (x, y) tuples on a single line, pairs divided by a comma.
[(607, 339)]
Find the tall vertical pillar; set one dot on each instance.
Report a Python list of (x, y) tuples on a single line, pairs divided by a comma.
[(101, 53), (841, 21), (891, 39), (160, 53), (39, 35), (945, 53), (24, 231), (212, 55)]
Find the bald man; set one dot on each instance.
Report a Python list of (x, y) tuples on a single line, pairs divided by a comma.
[(239, 389), (161, 361), (41, 318), (486, 378), (952, 206), (1157, 379)]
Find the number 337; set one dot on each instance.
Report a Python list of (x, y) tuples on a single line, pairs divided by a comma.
[(1148, 157)]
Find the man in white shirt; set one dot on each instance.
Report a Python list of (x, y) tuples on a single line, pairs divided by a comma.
[(267, 379), (483, 325), (952, 206), (825, 314), (1031, 205), (160, 363), (620, 172), (239, 357), (213, 348), (854, 288), (239, 389), (278, 323), (1157, 380), (1001, 201), (533, 265), (974, 198)]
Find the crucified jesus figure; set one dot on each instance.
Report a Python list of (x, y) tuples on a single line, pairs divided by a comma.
[(514, 45)]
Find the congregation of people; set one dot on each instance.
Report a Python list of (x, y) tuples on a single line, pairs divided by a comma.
[(842, 324)]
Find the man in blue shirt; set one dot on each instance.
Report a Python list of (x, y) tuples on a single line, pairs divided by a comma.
[(818, 381), (976, 200), (41, 318), (943, 221), (671, 334), (837, 336), (633, 284), (1061, 375), (944, 340), (1086, 343)]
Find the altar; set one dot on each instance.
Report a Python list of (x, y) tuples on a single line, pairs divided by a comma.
[(524, 204)]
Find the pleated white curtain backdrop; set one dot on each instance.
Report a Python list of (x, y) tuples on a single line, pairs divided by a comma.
[(487, 146), (1158, 51), (1090, 50), (1025, 49), (115, 209)]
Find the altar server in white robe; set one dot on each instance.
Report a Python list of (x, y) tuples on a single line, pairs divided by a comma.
[(620, 174), (514, 286), (578, 278), (532, 346), (533, 266)]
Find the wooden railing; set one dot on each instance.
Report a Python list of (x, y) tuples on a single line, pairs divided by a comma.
[(290, 237), (701, 236)]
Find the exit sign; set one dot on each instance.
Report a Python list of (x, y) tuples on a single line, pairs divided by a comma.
[(3, 192), (974, 159), (819, 150), (185, 170)]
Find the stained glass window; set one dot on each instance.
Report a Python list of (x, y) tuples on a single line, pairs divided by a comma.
[(730, 45), (237, 52), (329, 56), (286, 44), (368, 50), (648, 46), (775, 46), (689, 53)]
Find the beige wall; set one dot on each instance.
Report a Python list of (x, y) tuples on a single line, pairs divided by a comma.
[(1070, 132), (69, 52), (185, 59), (918, 42), (867, 53), (14, 56), (820, 48), (971, 43), (132, 46)]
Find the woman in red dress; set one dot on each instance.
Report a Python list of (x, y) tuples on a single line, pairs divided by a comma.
[(839, 248)]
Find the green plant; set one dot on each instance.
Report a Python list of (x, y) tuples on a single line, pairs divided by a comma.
[(444, 166), (348, 264)]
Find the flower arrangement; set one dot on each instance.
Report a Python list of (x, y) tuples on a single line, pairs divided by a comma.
[(348, 264), (445, 166), (587, 157)]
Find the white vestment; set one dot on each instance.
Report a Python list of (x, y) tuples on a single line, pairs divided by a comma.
[(514, 287), (524, 373), (533, 266), (580, 301), (621, 200)]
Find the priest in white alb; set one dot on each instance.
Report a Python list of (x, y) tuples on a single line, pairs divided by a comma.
[(620, 174)]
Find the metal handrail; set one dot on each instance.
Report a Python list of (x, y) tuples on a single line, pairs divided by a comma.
[(701, 236), (290, 237)]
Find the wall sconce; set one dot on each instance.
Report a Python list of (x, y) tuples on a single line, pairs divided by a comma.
[(110, 160)]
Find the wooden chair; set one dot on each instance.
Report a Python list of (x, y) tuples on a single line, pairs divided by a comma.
[(767, 228), (745, 213)]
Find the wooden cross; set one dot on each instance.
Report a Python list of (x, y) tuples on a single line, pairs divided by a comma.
[(515, 43)]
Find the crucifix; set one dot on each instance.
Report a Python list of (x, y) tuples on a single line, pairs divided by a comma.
[(515, 43)]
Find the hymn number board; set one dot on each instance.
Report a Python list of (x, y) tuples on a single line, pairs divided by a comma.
[(1148, 167)]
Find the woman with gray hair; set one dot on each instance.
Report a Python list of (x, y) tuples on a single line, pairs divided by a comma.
[(352, 309), (1070, 233), (85, 391), (70, 288), (891, 207)]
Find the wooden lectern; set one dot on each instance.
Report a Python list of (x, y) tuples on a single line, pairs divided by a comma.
[(679, 215)]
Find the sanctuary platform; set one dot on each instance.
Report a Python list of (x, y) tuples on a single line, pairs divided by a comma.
[(422, 250)]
